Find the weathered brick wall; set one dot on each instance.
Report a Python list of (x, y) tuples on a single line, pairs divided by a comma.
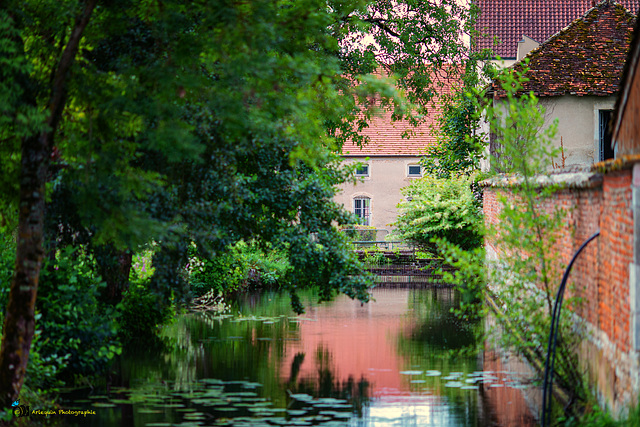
[(629, 130), (600, 276)]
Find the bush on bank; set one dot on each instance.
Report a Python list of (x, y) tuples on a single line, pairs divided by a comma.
[(76, 335), (241, 267), (440, 208)]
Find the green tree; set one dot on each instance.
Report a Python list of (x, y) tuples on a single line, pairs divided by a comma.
[(415, 42), (525, 277), (460, 144), (209, 122), (35, 133), (440, 208)]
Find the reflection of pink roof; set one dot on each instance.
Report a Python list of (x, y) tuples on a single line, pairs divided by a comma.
[(359, 340), (386, 136), (509, 20)]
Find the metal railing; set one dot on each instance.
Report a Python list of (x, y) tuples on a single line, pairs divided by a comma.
[(553, 338)]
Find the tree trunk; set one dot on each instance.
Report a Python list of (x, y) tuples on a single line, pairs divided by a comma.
[(114, 266), (19, 323), (19, 320)]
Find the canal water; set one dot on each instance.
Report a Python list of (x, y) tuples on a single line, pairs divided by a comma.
[(396, 361)]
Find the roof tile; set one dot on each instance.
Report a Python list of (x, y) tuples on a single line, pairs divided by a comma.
[(509, 20), (386, 137), (585, 58)]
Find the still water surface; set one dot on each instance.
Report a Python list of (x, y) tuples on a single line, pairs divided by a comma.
[(386, 363)]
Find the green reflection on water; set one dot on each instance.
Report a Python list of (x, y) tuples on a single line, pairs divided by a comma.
[(258, 367), (430, 343)]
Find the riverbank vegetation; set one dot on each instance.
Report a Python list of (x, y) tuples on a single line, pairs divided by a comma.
[(154, 134), (440, 208), (523, 275)]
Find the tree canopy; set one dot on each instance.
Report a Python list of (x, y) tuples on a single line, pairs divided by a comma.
[(124, 122)]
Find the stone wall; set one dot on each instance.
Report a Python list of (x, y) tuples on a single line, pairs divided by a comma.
[(604, 274)]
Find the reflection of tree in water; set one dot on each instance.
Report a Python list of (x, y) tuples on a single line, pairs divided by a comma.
[(326, 383), (435, 326), (436, 339)]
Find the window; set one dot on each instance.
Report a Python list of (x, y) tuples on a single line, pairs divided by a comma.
[(363, 170), (414, 170), (606, 149), (362, 209)]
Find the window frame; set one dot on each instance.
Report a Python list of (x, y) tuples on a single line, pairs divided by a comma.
[(599, 109), (362, 211), (604, 134), (413, 175), (367, 170)]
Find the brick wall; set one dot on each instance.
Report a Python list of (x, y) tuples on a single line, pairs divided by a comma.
[(600, 276)]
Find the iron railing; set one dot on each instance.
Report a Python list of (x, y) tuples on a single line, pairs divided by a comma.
[(553, 338)]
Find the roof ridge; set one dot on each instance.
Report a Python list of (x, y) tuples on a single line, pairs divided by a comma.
[(584, 57), (507, 20), (575, 22)]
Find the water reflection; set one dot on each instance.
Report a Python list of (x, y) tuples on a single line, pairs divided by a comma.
[(383, 363)]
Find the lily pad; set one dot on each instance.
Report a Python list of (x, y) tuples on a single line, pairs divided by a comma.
[(332, 406), (301, 396), (330, 400), (341, 415), (251, 385), (456, 384), (104, 405), (242, 394), (411, 372), (149, 411)]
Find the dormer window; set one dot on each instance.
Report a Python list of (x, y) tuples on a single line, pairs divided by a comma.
[(414, 171), (363, 170)]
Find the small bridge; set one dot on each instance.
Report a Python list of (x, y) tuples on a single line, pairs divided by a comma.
[(402, 268), (395, 263)]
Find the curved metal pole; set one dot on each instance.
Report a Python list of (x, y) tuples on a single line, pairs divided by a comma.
[(553, 337)]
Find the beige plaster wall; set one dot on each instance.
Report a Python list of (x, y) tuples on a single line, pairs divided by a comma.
[(526, 45), (578, 125), (387, 175)]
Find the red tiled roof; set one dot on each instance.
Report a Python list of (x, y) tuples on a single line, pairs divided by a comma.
[(386, 136), (509, 20), (585, 58)]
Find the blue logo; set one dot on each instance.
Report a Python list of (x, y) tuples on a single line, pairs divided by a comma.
[(20, 410)]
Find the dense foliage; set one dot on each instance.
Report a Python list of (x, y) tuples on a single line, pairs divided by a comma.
[(443, 208), (459, 141), (178, 123), (243, 267), (459, 148), (526, 271)]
